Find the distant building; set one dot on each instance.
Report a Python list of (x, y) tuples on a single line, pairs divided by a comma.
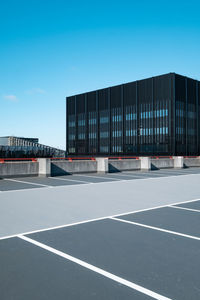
[(154, 116), (17, 141), (19, 147)]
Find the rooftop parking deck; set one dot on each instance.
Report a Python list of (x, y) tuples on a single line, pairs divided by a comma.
[(130, 235)]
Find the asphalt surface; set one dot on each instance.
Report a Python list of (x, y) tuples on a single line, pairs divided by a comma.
[(13, 184), (141, 242)]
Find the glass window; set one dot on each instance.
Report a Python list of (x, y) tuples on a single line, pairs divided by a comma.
[(104, 134), (92, 121)]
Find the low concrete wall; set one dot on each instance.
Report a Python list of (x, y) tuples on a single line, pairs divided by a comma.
[(162, 163), (191, 162), (19, 169), (72, 167), (63, 167), (123, 165)]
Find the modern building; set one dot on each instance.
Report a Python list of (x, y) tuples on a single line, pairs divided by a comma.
[(154, 116), (19, 147)]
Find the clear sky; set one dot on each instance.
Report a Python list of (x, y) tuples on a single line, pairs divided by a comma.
[(53, 49)]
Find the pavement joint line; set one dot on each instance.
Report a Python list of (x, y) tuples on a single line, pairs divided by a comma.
[(111, 181), (99, 177), (182, 171), (129, 175), (156, 228), (63, 179), (95, 269), (185, 208), (172, 173), (27, 182), (95, 219)]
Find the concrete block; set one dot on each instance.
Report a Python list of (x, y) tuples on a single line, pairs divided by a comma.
[(178, 161), (63, 167), (145, 163), (102, 164), (162, 163), (44, 167), (191, 162), (18, 169), (123, 165)]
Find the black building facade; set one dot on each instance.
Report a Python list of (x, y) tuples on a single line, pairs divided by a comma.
[(154, 116)]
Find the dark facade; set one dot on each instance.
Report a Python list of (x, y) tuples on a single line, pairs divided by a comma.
[(154, 116)]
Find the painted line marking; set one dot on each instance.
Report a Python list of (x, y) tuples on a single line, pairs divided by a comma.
[(157, 228), (96, 269), (27, 182), (74, 180), (185, 208), (94, 220), (109, 182)]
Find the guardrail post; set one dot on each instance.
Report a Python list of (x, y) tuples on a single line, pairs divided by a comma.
[(178, 162), (145, 163), (102, 165), (44, 167)]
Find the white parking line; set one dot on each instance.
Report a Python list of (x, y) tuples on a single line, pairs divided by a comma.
[(108, 182), (27, 182), (185, 208), (94, 220), (156, 228), (96, 269), (65, 179)]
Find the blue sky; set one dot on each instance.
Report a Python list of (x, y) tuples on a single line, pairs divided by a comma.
[(53, 49)]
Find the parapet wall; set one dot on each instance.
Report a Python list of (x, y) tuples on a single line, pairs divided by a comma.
[(47, 167), (163, 163), (123, 165), (191, 162), (19, 169), (72, 167)]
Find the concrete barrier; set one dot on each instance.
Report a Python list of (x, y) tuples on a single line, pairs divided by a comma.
[(145, 163), (64, 167), (19, 169), (44, 167), (191, 162), (162, 163), (102, 165), (123, 165), (178, 162)]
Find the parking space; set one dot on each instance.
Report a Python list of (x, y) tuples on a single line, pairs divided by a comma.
[(77, 179), (191, 205), (11, 185), (147, 250), (51, 181), (30, 272), (168, 218), (90, 178), (106, 259)]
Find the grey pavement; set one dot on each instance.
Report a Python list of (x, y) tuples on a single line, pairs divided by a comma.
[(44, 207)]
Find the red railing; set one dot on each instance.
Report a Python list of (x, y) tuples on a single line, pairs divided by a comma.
[(161, 157), (3, 160), (73, 158), (123, 157)]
